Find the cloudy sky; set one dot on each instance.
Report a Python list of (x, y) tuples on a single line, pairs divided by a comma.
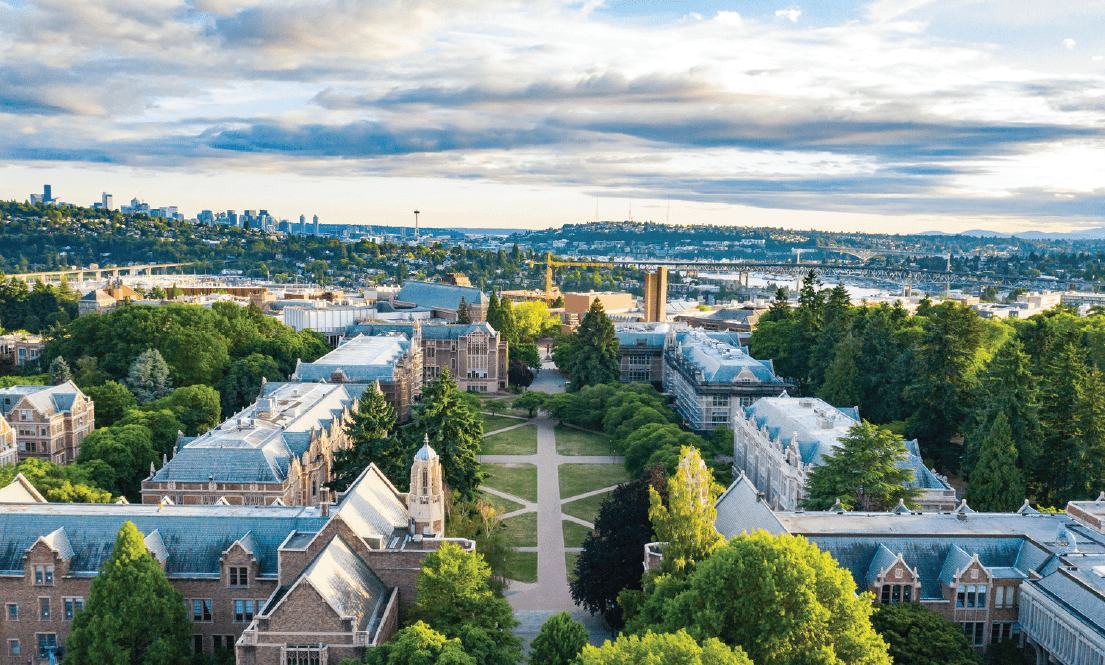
[(889, 116)]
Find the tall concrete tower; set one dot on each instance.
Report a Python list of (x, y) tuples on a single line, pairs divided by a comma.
[(656, 295), (426, 499), (316, 225), (416, 225), (303, 225)]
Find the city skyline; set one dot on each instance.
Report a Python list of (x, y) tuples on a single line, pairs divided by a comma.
[(891, 116)]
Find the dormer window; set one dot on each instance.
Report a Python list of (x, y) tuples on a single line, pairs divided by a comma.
[(44, 575), (239, 576)]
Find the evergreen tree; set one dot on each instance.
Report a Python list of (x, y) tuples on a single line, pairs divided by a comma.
[(1089, 447), (454, 431), (559, 642), (370, 443), (558, 303), (494, 314), (596, 357), (148, 377), (133, 615), (838, 303), (996, 484), (780, 308), (462, 312), (843, 382), (59, 371), (863, 473), (918, 636), (686, 523), (509, 329), (242, 384), (1062, 426)]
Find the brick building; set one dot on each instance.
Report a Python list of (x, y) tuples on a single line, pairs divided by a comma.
[(21, 348), (279, 584), (391, 360), (103, 301), (443, 299), (49, 421), (9, 449), (278, 449)]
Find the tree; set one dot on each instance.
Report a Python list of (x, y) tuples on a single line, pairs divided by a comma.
[(527, 353), (242, 384), (558, 303), (133, 615), (779, 598), (196, 406), (112, 401), (780, 309), (597, 358), (370, 443), (478, 521), (87, 372), (162, 425), (127, 451), (59, 371), (863, 473), (417, 644), (531, 401), (662, 649), (518, 374), (559, 642), (71, 483), (916, 635), (462, 312), (996, 484), (843, 382), (454, 432), (148, 377), (611, 556), (455, 597), (686, 523)]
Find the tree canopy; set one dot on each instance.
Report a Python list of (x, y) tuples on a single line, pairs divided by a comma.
[(417, 644), (662, 649), (916, 635), (559, 642), (371, 442), (454, 431), (591, 355), (686, 522), (862, 473)]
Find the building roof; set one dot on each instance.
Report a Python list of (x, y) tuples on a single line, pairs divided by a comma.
[(362, 359), (48, 400), (443, 296), (753, 514), (20, 490), (97, 296), (373, 507), (346, 583), (715, 361)]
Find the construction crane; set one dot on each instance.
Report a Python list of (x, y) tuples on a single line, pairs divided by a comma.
[(549, 263)]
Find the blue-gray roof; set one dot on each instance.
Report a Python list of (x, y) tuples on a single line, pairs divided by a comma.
[(362, 359), (632, 338), (1078, 597), (346, 583), (882, 562), (444, 296), (740, 509), (46, 399), (718, 361)]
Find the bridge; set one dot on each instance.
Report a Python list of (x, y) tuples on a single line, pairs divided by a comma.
[(79, 274)]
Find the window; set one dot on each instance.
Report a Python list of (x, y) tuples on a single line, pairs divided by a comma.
[(999, 597), (961, 596), (44, 575), (982, 596), (314, 488), (201, 610), (243, 610), (197, 643), (239, 576), (72, 606), (1011, 596), (971, 592), (13, 612), (303, 654), (47, 642), (896, 597), (974, 630), (1004, 630), (13, 647), (907, 594), (44, 606)]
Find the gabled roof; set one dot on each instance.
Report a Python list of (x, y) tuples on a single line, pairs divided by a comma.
[(954, 564), (444, 296), (346, 583), (59, 542), (719, 361), (372, 507), (47, 400), (20, 491), (739, 509), (882, 562)]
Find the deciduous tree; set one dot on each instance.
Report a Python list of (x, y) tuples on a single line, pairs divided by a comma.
[(559, 642), (112, 401), (241, 385), (530, 401), (916, 635), (686, 522), (417, 644), (662, 649)]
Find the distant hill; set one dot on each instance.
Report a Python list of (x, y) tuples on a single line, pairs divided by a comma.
[(1087, 234)]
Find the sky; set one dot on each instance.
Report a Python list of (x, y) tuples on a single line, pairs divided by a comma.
[(888, 116)]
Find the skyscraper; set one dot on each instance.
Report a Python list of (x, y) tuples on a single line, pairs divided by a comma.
[(108, 201), (303, 225), (316, 225), (47, 194)]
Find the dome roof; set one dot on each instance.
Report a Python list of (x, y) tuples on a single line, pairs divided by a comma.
[(425, 453)]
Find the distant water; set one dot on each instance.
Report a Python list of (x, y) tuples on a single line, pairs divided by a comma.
[(856, 291)]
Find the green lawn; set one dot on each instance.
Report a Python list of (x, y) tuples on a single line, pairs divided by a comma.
[(523, 566), (502, 506), (585, 509), (521, 441), (517, 479), (492, 423), (580, 478), (503, 405), (574, 534), (570, 561), (521, 530), (571, 441)]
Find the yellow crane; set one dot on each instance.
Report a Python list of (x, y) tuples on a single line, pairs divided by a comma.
[(549, 263)]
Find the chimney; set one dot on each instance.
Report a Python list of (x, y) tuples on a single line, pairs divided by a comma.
[(325, 508)]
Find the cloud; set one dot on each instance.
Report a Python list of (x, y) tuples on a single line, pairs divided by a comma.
[(789, 14), (1069, 43)]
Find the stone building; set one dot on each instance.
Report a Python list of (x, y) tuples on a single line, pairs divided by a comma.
[(391, 360), (778, 440), (9, 449), (641, 351), (475, 353), (279, 584), (49, 421), (103, 301), (444, 299), (279, 449), (21, 348), (1038, 578)]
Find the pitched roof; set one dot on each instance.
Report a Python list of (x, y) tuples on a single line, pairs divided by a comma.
[(47, 400), (444, 296), (372, 506), (740, 510), (346, 583), (363, 359), (20, 491), (881, 563), (717, 361)]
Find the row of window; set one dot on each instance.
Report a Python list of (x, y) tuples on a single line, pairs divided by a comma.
[(47, 642), (897, 593), (243, 610), (970, 596), (999, 630), (71, 606), (217, 642)]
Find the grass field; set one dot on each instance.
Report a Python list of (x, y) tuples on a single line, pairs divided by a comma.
[(574, 534), (523, 566), (571, 441), (585, 509), (521, 531), (570, 561), (517, 479), (502, 405), (581, 478), (492, 423), (521, 441), (501, 505)]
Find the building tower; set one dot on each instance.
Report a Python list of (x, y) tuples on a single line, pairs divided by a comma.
[(316, 225), (656, 295), (426, 499), (416, 225), (47, 194), (303, 225)]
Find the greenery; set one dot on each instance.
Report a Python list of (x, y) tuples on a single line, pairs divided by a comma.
[(523, 566), (576, 479), (520, 441), (574, 533), (589, 356), (127, 452), (112, 400), (587, 508), (531, 400), (502, 506), (242, 383), (522, 529), (417, 644), (70, 483), (571, 441), (795, 603), (148, 377), (916, 635), (370, 443), (454, 431), (481, 522), (662, 649), (493, 423), (998, 485), (685, 521), (519, 480), (559, 642), (862, 473), (133, 614), (59, 371)]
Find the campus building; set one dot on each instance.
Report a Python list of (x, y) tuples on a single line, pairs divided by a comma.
[(778, 440), (278, 584), (474, 353), (49, 421), (103, 301), (21, 348), (391, 360), (443, 299), (280, 449), (1038, 578)]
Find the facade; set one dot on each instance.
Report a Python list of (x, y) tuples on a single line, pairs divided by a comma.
[(9, 449), (709, 373), (1024, 575), (280, 449), (49, 421), (102, 301), (475, 354), (778, 440), (742, 319), (444, 299), (656, 295), (277, 584), (612, 302), (641, 351), (22, 349), (392, 361)]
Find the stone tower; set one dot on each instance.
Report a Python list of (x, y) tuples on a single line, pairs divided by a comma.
[(426, 499)]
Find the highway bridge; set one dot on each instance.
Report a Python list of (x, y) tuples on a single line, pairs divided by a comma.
[(78, 275)]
